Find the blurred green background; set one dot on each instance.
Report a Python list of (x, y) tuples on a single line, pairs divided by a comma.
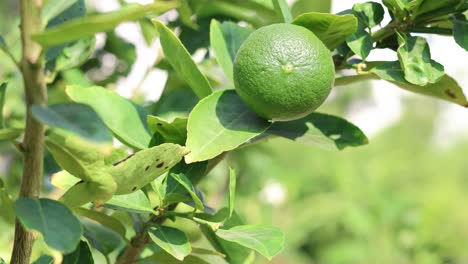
[(401, 199)]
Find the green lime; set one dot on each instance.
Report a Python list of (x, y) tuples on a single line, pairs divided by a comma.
[(283, 72)]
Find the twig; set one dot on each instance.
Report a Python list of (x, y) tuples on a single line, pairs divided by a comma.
[(32, 69), (139, 240), (384, 32)]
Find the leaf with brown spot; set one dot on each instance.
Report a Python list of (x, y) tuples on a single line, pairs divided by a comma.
[(145, 166), (446, 88)]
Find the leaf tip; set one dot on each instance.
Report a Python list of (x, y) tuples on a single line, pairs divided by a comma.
[(185, 151), (189, 159), (157, 23), (214, 22)]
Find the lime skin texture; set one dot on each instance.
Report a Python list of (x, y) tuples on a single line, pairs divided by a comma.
[(283, 72)]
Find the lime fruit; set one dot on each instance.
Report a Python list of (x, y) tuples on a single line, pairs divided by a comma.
[(283, 72)]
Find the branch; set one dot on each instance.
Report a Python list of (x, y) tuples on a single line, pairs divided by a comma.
[(140, 240), (384, 32), (133, 250), (389, 29), (32, 69)]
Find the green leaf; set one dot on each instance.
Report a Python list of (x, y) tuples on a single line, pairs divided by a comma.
[(305, 6), (82, 254), (432, 9), (118, 154), (83, 159), (53, 8), (331, 29), (57, 224), (6, 133), (171, 132), (144, 166), (205, 251), (234, 35), (460, 30), (148, 31), (390, 71), (77, 118), (370, 14), (226, 39), (63, 180), (446, 88), (255, 12), (162, 257), (266, 240), (41, 260), (122, 49), (90, 25), (77, 77), (177, 99), (347, 80), (180, 59), (118, 113), (360, 43), (194, 171), (169, 191), (74, 11), (194, 39), (101, 238), (3, 45), (10, 133), (395, 6), (135, 202), (100, 217), (7, 206), (232, 190), (185, 182), (322, 130), (219, 123), (73, 55), (214, 221), (185, 14), (3, 87), (282, 9), (234, 252), (172, 240), (415, 59)]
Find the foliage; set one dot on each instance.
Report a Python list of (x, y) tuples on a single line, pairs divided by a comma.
[(150, 197), (400, 195)]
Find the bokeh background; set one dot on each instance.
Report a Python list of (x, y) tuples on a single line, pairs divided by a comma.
[(401, 199)]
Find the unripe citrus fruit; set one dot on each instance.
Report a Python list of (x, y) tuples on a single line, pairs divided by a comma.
[(283, 72)]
